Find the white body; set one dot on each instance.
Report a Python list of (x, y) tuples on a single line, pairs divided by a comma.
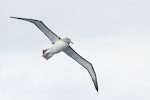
[(59, 46)]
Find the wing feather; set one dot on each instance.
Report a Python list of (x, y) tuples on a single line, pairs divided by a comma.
[(87, 65), (51, 35)]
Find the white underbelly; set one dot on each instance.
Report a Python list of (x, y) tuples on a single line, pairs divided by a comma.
[(58, 46)]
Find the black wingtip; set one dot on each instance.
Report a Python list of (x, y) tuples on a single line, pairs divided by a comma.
[(14, 17), (17, 18), (27, 19), (97, 89)]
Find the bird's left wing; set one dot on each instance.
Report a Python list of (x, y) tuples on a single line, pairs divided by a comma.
[(51, 35), (70, 52)]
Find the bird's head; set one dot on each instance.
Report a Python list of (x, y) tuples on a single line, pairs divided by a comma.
[(68, 40)]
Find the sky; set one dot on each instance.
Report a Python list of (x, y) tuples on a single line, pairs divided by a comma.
[(114, 35)]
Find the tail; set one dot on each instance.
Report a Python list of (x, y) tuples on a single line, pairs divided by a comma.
[(46, 54), (44, 50)]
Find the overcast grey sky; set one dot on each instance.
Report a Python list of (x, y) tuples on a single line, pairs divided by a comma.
[(112, 34)]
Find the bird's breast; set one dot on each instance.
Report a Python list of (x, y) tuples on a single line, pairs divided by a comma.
[(59, 46)]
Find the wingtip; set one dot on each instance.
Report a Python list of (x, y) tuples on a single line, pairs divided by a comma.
[(14, 17), (97, 89), (96, 84), (27, 19)]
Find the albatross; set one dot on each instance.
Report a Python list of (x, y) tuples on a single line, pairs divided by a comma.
[(59, 45)]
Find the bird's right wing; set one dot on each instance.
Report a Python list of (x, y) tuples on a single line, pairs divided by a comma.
[(87, 65), (51, 35)]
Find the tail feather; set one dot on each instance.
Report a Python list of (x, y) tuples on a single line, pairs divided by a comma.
[(44, 50), (46, 54)]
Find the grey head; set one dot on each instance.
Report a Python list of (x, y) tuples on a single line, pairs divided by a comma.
[(67, 40)]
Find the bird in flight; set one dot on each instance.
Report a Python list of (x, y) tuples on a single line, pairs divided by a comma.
[(59, 45)]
